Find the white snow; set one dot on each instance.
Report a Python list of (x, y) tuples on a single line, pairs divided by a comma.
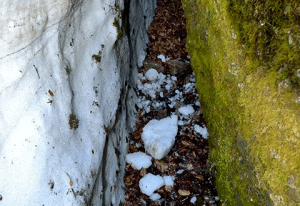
[(202, 130), (149, 183), (155, 197), (159, 136), (169, 180), (186, 110), (180, 171), (162, 57), (193, 200), (139, 160), (152, 74), (47, 73)]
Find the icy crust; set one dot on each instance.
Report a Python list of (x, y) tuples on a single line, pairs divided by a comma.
[(159, 136)]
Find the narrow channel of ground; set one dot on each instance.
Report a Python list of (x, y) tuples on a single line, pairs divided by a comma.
[(171, 91)]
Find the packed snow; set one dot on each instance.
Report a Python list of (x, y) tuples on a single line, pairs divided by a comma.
[(159, 136), (162, 57), (152, 74), (139, 160), (155, 196), (202, 130), (193, 200), (186, 110), (149, 183), (169, 180)]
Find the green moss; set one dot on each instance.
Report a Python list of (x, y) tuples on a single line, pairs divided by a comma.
[(96, 57), (68, 70), (240, 52), (73, 122), (120, 29)]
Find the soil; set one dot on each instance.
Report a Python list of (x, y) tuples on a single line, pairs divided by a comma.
[(188, 160)]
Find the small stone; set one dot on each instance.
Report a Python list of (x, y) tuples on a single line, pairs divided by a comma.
[(152, 64), (178, 67)]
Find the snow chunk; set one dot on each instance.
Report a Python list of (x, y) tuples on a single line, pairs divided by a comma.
[(169, 180), (149, 183), (202, 130), (186, 110), (193, 200), (139, 160), (155, 196), (159, 136), (152, 74), (162, 57)]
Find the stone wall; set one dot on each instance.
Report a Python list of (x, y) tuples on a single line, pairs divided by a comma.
[(245, 55), (67, 72)]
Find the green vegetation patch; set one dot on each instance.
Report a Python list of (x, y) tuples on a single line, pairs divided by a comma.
[(245, 55), (73, 121)]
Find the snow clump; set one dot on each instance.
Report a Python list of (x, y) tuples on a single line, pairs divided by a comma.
[(152, 74), (202, 130), (138, 160), (159, 136), (149, 183), (169, 180), (162, 57), (155, 196), (186, 110)]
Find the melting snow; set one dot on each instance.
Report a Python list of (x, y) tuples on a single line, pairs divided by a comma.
[(149, 183), (169, 180), (186, 110), (202, 130), (162, 57), (159, 136), (139, 160), (152, 74)]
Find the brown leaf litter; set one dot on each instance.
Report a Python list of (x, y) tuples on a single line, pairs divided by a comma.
[(188, 159)]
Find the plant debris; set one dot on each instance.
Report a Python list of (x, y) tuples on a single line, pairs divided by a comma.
[(188, 159)]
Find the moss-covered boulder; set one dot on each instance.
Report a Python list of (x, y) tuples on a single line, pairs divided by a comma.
[(246, 57)]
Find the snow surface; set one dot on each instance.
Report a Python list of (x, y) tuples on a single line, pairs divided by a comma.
[(149, 183), (139, 160), (47, 73), (202, 130), (159, 136), (186, 110)]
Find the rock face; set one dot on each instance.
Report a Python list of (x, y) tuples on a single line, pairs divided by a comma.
[(249, 91), (67, 73)]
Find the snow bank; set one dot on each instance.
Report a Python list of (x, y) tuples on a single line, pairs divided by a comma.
[(64, 101), (159, 136)]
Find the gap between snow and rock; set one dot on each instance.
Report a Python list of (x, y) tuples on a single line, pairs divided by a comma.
[(167, 162)]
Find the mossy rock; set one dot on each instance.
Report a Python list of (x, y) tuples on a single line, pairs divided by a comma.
[(245, 55)]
